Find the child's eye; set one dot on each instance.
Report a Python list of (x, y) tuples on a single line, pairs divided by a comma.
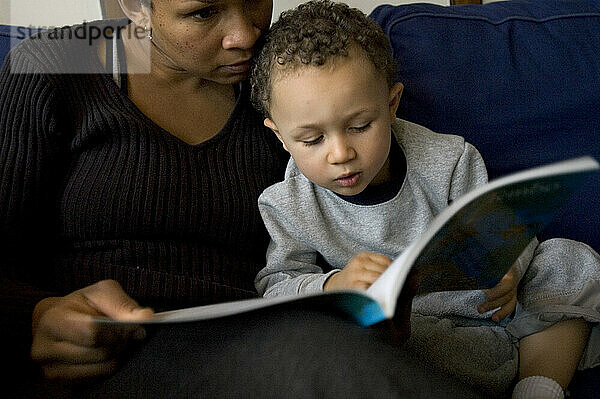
[(313, 142), (204, 13), (361, 128)]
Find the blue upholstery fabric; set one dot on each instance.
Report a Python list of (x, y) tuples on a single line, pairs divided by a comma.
[(11, 35), (519, 79)]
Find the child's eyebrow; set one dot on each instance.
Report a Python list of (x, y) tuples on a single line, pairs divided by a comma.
[(312, 126), (359, 112), (299, 129)]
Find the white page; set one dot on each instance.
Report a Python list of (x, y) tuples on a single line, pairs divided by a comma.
[(387, 287)]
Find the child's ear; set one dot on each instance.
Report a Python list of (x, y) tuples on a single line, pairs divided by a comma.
[(271, 125), (394, 99)]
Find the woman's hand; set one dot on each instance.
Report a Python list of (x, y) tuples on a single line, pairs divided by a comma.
[(69, 345), (359, 273), (503, 296)]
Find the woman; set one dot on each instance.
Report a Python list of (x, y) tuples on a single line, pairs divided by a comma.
[(136, 157), (153, 183)]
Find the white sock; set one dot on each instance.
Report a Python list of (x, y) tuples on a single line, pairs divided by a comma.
[(538, 387)]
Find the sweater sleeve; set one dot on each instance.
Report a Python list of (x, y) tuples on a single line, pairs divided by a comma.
[(291, 264), (469, 172), (29, 162)]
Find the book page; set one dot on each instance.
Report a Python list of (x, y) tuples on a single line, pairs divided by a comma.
[(474, 241), (387, 287), (478, 245), (357, 305)]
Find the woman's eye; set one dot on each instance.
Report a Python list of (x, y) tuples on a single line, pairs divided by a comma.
[(360, 128), (204, 13), (313, 142)]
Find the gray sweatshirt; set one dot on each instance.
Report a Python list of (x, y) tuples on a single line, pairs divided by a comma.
[(304, 219), (560, 278)]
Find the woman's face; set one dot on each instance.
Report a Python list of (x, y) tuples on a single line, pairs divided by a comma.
[(211, 39)]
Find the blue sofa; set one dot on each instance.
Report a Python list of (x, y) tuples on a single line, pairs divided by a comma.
[(10, 35), (519, 79)]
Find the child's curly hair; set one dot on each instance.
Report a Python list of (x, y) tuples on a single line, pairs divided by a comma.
[(312, 34)]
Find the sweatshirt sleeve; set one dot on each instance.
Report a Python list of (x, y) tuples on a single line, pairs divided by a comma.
[(291, 264), (469, 172)]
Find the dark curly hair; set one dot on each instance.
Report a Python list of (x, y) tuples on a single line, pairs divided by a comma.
[(312, 34)]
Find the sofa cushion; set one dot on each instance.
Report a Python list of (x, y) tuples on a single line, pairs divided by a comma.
[(518, 79)]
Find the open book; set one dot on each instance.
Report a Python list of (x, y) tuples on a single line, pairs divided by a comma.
[(470, 245)]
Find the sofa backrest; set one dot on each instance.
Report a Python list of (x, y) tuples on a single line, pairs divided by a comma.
[(518, 79), (10, 35)]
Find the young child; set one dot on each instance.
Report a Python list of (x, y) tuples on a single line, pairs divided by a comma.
[(361, 185)]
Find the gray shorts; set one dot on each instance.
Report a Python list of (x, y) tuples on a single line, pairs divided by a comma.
[(562, 281)]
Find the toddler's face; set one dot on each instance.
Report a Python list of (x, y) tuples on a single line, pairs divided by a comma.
[(335, 121)]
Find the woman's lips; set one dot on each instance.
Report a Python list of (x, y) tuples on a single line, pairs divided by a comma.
[(348, 180), (240, 67)]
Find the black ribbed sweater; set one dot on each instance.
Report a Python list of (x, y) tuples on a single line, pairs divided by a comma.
[(93, 189)]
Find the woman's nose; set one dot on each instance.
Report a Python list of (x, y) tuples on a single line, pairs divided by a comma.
[(340, 151), (241, 32)]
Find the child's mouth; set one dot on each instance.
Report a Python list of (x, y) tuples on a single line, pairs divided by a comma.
[(348, 180)]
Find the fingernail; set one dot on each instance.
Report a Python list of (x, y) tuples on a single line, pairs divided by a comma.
[(142, 310)]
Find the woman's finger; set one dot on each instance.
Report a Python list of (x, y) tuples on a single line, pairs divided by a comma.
[(68, 371), (70, 319), (68, 353), (109, 299)]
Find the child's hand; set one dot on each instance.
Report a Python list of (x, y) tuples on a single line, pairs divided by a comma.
[(503, 295), (359, 273)]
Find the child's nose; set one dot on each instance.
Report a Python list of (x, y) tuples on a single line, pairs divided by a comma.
[(340, 151)]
